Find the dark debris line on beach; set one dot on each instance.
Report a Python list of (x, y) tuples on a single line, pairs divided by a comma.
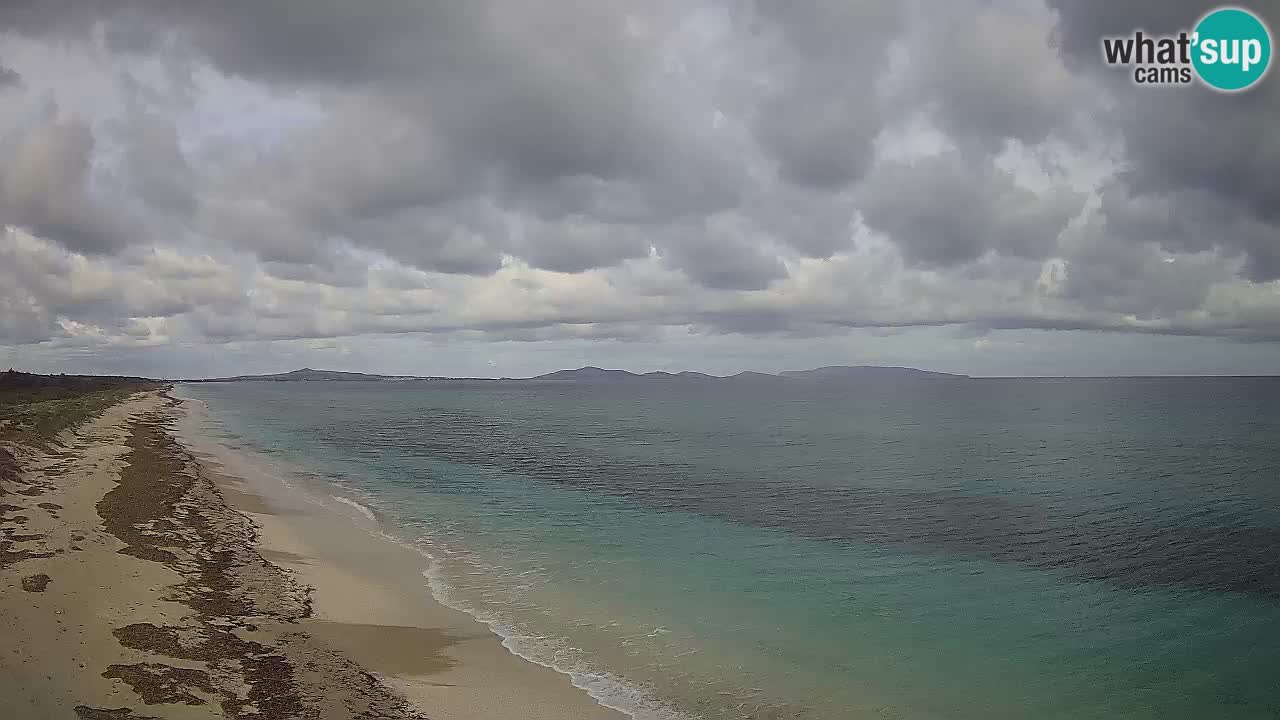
[(34, 410), (84, 712), (166, 512), (33, 417)]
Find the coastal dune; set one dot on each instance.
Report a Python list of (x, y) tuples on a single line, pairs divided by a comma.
[(141, 577)]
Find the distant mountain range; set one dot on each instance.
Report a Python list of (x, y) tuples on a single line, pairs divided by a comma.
[(831, 373), (862, 372), (306, 374)]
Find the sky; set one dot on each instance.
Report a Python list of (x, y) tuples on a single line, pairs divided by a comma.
[(492, 188)]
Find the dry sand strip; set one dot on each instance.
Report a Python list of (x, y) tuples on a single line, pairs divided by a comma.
[(128, 590)]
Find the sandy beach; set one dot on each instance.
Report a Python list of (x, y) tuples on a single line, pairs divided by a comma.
[(144, 573)]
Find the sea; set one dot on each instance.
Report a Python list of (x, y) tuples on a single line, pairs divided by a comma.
[(965, 549)]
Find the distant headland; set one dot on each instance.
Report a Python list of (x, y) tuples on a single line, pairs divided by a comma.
[(589, 374)]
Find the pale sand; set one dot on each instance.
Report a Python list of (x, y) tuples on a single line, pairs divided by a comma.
[(371, 602), (56, 644)]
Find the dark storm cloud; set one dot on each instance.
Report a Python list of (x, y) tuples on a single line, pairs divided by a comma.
[(1114, 274), (546, 91), (49, 17), (576, 245), (1207, 159), (1193, 220), (1083, 23), (449, 240), (722, 254), (813, 224), (557, 110), (9, 77), (819, 138), (942, 211), (820, 115), (989, 74), (44, 187), (155, 165), (1224, 143)]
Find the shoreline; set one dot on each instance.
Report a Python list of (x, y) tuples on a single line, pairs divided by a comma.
[(141, 577), (336, 545)]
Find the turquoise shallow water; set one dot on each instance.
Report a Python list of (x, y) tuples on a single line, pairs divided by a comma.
[(966, 549)]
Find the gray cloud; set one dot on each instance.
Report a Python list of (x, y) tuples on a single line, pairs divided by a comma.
[(988, 74), (9, 77), (1138, 279), (1082, 25), (587, 170), (820, 138), (820, 114), (155, 167), (461, 240), (812, 224), (942, 211), (50, 17), (577, 245), (473, 102), (45, 187), (723, 254), (544, 92), (1208, 142), (1203, 157)]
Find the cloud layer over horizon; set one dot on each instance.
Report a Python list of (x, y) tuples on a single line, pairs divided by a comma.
[(684, 178)]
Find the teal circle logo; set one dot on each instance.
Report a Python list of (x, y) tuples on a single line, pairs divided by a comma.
[(1231, 49)]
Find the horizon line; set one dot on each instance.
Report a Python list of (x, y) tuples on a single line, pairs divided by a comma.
[(955, 375)]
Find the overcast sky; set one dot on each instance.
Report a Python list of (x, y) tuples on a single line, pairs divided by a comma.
[(506, 188)]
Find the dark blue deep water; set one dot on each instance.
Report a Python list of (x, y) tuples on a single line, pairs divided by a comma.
[(922, 549)]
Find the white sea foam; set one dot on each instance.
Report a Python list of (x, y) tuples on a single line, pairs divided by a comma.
[(555, 653), (366, 512), (550, 652)]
